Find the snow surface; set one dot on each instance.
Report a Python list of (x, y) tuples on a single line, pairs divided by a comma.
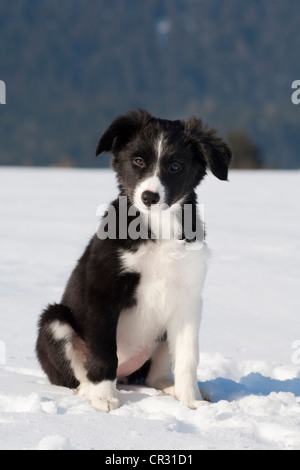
[(250, 332)]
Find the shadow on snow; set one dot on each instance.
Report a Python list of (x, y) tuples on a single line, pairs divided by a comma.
[(252, 384)]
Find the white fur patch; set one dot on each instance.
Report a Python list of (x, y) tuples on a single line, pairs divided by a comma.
[(74, 347), (152, 183), (61, 331), (103, 395), (160, 142), (168, 295)]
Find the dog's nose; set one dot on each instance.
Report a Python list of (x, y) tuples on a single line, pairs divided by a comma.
[(149, 198)]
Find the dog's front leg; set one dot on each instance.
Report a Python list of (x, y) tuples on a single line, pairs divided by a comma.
[(183, 338), (100, 387)]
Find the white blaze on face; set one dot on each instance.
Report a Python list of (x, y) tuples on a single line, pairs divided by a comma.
[(160, 142), (152, 183)]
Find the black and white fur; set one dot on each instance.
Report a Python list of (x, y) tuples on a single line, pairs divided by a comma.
[(132, 307)]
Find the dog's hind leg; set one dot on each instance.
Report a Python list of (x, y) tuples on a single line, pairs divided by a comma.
[(61, 352), (159, 375)]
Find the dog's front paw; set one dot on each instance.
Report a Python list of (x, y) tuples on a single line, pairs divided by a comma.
[(193, 397), (102, 396), (195, 404), (105, 404)]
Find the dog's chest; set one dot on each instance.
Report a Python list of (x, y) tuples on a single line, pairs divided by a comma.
[(168, 273)]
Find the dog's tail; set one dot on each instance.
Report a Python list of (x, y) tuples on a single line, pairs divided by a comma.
[(56, 333)]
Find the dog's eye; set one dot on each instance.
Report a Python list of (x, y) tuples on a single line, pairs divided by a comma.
[(139, 162), (174, 168)]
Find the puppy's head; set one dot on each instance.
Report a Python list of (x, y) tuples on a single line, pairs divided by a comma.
[(160, 162)]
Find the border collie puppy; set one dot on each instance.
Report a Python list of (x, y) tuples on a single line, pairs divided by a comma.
[(132, 306)]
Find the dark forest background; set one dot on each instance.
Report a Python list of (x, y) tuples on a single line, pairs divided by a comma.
[(70, 66)]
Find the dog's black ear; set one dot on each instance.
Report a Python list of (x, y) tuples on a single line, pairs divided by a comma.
[(212, 149), (122, 130)]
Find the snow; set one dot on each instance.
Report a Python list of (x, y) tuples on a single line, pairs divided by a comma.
[(249, 337)]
